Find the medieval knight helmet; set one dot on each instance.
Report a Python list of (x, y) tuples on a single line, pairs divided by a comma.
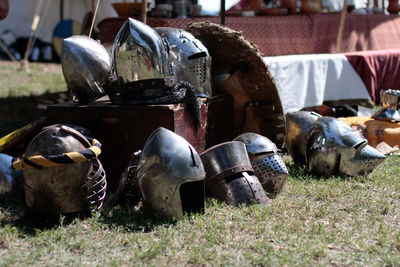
[(298, 124), (141, 59), (268, 165), (170, 175), (333, 147), (230, 177), (86, 66), (61, 172), (190, 59)]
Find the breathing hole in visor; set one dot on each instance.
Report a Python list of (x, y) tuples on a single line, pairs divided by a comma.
[(192, 197), (197, 55), (360, 144)]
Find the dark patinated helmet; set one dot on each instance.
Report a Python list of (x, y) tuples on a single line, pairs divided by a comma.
[(333, 147), (61, 172), (266, 161), (86, 66), (170, 175), (230, 177), (189, 58)]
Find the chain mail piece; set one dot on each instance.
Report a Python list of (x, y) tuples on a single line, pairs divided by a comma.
[(86, 66), (334, 148), (266, 161), (230, 176), (69, 187), (170, 176)]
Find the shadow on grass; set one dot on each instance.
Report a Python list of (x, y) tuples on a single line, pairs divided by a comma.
[(135, 219), (132, 219), (299, 172)]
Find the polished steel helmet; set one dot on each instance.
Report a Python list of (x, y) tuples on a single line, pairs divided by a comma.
[(61, 172), (230, 177), (266, 161), (189, 58), (298, 124), (139, 53), (86, 66), (170, 175), (333, 147)]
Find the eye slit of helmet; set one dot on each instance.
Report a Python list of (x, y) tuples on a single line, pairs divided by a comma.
[(337, 164), (264, 153), (360, 144), (192, 197), (198, 55), (236, 176)]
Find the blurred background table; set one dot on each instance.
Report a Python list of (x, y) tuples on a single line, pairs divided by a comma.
[(293, 34), (379, 69), (314, 79)]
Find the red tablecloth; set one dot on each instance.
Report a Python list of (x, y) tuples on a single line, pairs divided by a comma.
[(379, 69), (295, 34)]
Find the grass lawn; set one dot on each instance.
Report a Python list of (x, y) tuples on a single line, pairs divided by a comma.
[(314, 221)]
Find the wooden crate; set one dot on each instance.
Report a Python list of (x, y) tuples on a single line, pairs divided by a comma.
[(123, 130)]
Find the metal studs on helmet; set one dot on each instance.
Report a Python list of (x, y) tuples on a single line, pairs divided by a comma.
[(170, 175), (189, 58), (86, 66), (333, 147), (61, 172), (230, 177), (268, 165)]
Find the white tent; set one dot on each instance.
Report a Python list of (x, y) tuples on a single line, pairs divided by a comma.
[(22, 12)]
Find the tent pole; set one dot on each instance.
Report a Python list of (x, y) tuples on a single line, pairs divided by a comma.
[(61, 10), (222, 11), (143, 12), (94, 18), (341, 27), (4, 47)]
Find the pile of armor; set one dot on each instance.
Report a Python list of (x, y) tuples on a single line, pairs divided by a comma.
[(147, 66), (173, 179), (61, 172)]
